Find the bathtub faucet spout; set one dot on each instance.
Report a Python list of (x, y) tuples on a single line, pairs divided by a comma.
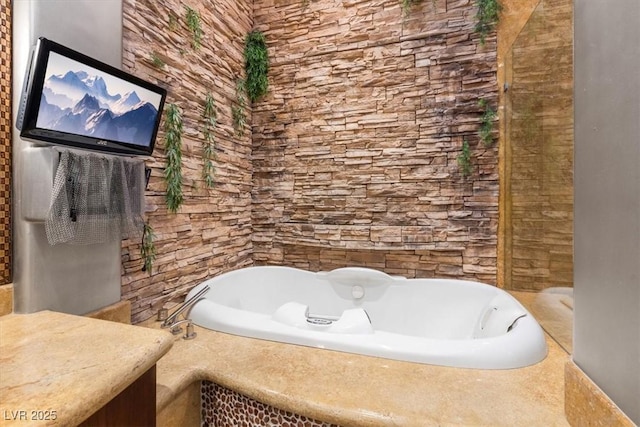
[(171, 320)]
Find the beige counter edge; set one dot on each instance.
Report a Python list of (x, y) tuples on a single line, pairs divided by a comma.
[(32, 381)]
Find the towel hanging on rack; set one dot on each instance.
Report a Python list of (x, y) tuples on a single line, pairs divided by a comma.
[(96, 198)]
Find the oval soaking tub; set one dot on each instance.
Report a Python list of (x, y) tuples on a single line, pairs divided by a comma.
[(436, 321)]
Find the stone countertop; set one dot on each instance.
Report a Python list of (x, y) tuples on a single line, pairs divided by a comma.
[(69, 364), (354, 390)]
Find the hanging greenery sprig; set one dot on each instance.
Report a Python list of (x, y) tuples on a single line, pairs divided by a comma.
[(210, 117), (173, 149), (238, 114), (486, 123), (256, 64), (156, 60), (194, 23), (406, 6), (148, 248), (464, 159), (487, 17)]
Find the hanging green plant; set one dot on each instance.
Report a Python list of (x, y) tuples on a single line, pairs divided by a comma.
[(194, 23), (487, 17), (173, 152), (210, 117), (256, 64), (148, 248), (486, 123), (406, 6), (156, 60), (464, 159), (238, 114)]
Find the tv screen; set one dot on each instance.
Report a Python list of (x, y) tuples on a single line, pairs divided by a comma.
[(72, 99)]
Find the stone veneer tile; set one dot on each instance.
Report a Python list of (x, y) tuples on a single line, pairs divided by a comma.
[(355, 145), (586, 405), (211, 233)]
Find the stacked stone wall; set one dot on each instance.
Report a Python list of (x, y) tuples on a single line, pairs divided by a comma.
[(355, 147), (211, 233)]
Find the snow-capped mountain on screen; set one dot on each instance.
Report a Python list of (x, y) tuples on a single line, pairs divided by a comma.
[(80, 103), (125, 103)]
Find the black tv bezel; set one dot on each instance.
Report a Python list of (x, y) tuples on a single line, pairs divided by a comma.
[(32, 93)]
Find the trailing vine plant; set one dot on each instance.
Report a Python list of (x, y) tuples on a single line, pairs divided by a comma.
[(406, 6), (256, 64), (238, 114), (173, 152), (156, 60), (487, 17), (194, 23), (464, 159), (486, 123), (148, 248), (210, 117)]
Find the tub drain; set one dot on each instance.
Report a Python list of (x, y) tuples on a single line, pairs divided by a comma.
[(319, 321)]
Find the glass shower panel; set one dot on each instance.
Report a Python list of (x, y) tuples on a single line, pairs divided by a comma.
[(539, 152)]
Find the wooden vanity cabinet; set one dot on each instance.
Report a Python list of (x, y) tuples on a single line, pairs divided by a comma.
[(134, 406)]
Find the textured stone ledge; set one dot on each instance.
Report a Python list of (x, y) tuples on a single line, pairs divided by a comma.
[(69, 364), (354, 390), (587, 405)]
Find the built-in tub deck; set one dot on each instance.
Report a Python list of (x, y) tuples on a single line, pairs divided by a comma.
[(355, 390)]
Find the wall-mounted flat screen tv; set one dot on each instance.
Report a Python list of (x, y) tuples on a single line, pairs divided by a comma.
[(72, 99)]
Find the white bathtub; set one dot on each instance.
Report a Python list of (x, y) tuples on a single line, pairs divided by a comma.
[(356, 310)]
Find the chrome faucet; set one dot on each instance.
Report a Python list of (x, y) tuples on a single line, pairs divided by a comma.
[(172, 320), (189, 334)]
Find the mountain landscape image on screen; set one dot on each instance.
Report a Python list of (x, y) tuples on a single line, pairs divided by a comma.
[(79, 103)]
